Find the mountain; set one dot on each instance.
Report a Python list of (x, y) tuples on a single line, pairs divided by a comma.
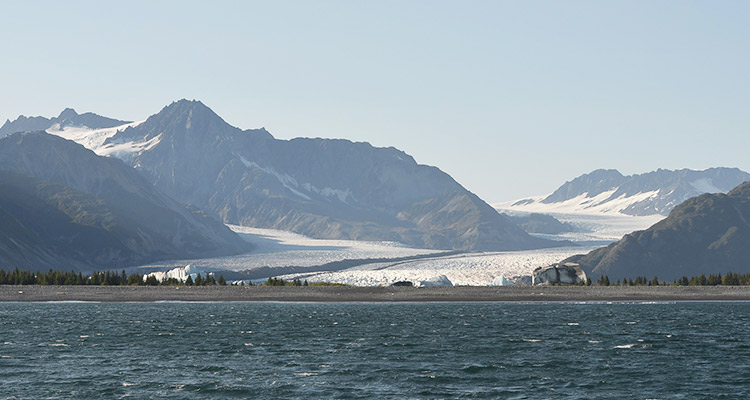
[(62, 205), (706, 234), (322, 188), (69, 118), (541, 223), (610, 192)]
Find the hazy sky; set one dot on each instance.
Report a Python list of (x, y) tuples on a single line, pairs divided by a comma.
[(510, 98)]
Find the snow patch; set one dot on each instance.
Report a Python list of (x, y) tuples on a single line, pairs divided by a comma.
[(286, 180), (127, 150), (291, 183), (91, 139), (601, 204), (342, 195)]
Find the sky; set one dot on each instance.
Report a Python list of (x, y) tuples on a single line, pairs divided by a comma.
[(511, 98)]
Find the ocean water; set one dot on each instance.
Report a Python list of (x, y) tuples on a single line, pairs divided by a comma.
[(375, 351)]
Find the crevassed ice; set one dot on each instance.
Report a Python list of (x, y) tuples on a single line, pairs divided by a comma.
[(92, 139)]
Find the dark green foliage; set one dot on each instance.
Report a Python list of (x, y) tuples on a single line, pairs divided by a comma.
[(108, 278), (281, 282), (151, 281), (728, 279)]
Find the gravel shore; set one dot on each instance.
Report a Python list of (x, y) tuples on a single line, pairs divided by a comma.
[(370, 294)]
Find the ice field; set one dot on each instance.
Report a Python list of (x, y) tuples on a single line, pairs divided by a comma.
[(275, 249)]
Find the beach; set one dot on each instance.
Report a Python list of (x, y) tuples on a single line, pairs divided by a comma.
[(9, 293)]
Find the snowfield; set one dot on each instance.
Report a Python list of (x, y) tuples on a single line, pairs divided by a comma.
[(281, 249), (600, 204), (274, 248), (595, 223), (92, 139), (599, 229)]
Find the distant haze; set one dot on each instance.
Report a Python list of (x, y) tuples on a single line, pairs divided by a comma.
[(510, 98)]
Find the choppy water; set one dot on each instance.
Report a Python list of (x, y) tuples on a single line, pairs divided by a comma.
[(374, 351)]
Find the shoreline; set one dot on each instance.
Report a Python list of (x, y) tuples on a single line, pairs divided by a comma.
[(326, 294)]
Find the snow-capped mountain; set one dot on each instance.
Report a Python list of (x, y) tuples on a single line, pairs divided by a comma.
[(321, 188), (610, 192), (68, 121), (706, 234)]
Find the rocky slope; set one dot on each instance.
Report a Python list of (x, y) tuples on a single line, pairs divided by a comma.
[(706, 234), (63, 204), (318, 187), (541, 223)]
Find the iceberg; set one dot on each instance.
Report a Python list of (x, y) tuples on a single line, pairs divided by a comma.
[(441, 280), (501, 281)]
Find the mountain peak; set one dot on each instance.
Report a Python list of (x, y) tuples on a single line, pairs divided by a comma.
[(67, 114), (191, 112), (188, 105)]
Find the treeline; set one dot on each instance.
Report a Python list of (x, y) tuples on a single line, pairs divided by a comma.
[(100, 278), (729, 279), (281, 282)]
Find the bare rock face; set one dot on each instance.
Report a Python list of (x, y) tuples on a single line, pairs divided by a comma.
[(564, 273)]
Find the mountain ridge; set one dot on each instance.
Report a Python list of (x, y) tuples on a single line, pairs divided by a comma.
[(325, 188), (652, 193), (106, 195), (67, 118), (703, 235)]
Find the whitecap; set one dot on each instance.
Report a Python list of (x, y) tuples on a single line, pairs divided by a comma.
[(625, 346)]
